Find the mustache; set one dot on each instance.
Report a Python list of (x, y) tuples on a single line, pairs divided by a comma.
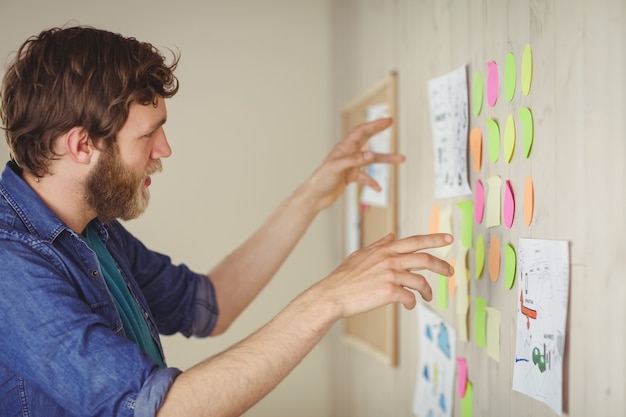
[(154, 167)]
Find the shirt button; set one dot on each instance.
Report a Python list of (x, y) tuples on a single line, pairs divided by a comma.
[(145, 314), (94, 273)]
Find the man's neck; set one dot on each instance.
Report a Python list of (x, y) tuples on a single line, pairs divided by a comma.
[(64, 197)]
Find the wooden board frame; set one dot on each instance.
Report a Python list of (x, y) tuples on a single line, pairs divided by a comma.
[(376, 331)]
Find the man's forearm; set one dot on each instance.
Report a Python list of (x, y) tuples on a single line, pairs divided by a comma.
[(230, 383)]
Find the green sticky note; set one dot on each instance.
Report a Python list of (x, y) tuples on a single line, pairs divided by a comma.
[(509, 138), (477, 99), (510, 266), (467, 402), (493, 139), (467, 222), (480, 322), (526, 117), (442, 292), (510, 77), (527, 69), (480, 256)]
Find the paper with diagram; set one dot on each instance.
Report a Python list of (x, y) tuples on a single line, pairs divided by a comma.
[(543, 287), (437, 366), (449, 121)]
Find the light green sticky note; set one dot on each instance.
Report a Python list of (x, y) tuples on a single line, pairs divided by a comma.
[(480, 256), (509, 138), (479, 91), (480, 321), (493, 139), (493, 333), (527, 69), (510, 76), (442, 292), (467, 222), (526, 117), (510, 266), (467, 402)]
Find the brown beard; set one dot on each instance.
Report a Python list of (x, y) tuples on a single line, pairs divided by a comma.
[(115, 191)]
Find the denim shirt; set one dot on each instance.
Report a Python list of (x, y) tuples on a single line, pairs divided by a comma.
[(62, 345)]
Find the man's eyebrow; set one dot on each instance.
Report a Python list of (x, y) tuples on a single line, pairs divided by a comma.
[(157, 125)]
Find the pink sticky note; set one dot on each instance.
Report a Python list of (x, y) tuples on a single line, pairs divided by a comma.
[(479, 203), (509, 205), (492, 83), (462, 379)]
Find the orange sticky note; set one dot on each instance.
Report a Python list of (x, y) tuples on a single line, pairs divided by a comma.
[(529, 200), (476, 148), (494, 258), (434, 219)]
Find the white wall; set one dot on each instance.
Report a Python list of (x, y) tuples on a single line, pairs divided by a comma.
[(250, 122), (577, 162)]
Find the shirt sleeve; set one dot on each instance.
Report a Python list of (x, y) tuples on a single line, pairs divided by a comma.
[(153, 392)]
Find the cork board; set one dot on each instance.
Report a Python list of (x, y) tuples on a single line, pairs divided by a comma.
[(376, 331)]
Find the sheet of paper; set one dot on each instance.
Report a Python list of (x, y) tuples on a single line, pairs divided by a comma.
[(434, 388), (379, 143), (543, 283), (449, 121)]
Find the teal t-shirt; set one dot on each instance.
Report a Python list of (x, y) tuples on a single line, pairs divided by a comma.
[(134, 323)]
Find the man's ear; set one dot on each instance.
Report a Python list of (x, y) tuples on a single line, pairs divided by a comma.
[(79, 146)]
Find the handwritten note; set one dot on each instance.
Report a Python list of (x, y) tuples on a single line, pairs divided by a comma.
[(543, 282), (449, 120)]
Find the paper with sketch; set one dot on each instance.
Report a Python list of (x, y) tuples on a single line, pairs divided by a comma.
[(449, 121), (379, 143), (437, 365), (543, 287)]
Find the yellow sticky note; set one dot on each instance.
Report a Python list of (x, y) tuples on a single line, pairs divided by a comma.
[(462, 295), (493, 333), (442, 292), (480, 321), (493, 206), (493, 139), (509, 138), (462, 328), (527, 69), (467, 222), (479, 256), (445, 226), (467, 402)]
